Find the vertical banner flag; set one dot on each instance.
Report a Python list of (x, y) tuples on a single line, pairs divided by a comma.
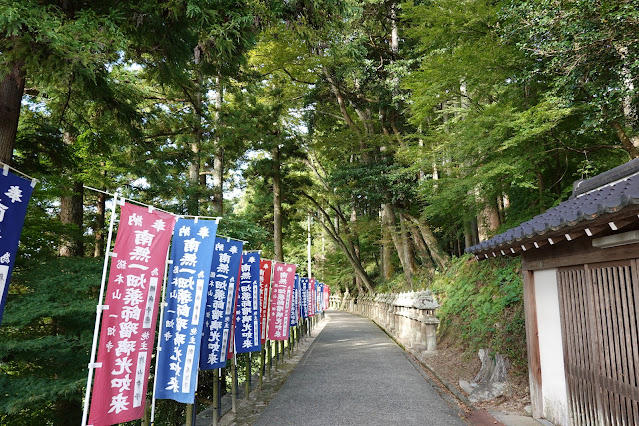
[(320, 295), (294, 304), (311, 297), (327, 297), (281, 295), (265, 292), (247, 323), (15, 193), (304, 297), (181, 332), (129, 315), (220, 302)]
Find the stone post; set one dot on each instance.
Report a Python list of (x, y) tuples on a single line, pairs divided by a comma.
[(430, 324)]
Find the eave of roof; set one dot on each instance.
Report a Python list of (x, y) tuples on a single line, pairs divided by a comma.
[(619, 189)]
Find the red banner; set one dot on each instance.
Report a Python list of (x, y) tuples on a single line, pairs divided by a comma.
[(281, 296), (265, 291), (129, 315), (327, 296)]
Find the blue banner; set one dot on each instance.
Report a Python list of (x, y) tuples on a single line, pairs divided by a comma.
[(295, 305), (304, 297), (320, 297), (180, 335), (220, 303), (15, 193), (247, 321)]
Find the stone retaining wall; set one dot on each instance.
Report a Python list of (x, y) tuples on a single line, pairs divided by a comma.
[(409, 317)]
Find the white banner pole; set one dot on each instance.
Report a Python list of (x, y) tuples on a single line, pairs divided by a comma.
[(157, 352), (98, 315)]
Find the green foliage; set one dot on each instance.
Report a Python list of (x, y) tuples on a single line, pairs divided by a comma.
[(586, 49), (45, 340), (482, 306)]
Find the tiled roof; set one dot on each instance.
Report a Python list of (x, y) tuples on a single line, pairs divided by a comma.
[(606, 193)]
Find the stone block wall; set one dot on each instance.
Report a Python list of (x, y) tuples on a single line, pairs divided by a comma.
[(408, 317)]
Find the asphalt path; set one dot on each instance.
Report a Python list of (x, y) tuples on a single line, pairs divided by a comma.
[(354, 374)]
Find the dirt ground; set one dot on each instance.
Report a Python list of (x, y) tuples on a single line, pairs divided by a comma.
[(452, 365)]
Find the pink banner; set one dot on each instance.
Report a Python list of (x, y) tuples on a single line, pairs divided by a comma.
[(281, 296), (265, 291), (129, 315)]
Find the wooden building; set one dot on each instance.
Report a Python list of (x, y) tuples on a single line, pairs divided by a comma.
[(581, 294)]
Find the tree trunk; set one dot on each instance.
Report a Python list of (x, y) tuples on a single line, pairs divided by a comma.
[(100, 206), (407, 252), (11, 91), (277, 205), (441, 258), (358, 285), (344, 246), (218, 156), (218, 181), (340, 101), (420, 247), (388, 219), (387, 231), (194, 168), (470, 233), (630, 113), (71, 213), (488, 221), (625, 140), (194, 179)]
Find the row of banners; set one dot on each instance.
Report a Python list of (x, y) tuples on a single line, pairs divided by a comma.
[(218, 299)]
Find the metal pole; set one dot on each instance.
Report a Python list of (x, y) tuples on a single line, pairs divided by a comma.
[(216, 392), (262, 365), (270, 357), (247, 384), (233, 384), (157, 357), (98, 315)]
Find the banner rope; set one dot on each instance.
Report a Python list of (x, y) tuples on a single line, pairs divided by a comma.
[(184, 216), (6, 168)]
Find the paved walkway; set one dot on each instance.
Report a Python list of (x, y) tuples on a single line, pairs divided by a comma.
[(354, 374)]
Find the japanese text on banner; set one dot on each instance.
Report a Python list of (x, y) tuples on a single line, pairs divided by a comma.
[(128, 325), (180, 335), (280, 304), (265, 292), (295, 302), (247, 323), (220, 303), (304, 297), (311, 297)]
